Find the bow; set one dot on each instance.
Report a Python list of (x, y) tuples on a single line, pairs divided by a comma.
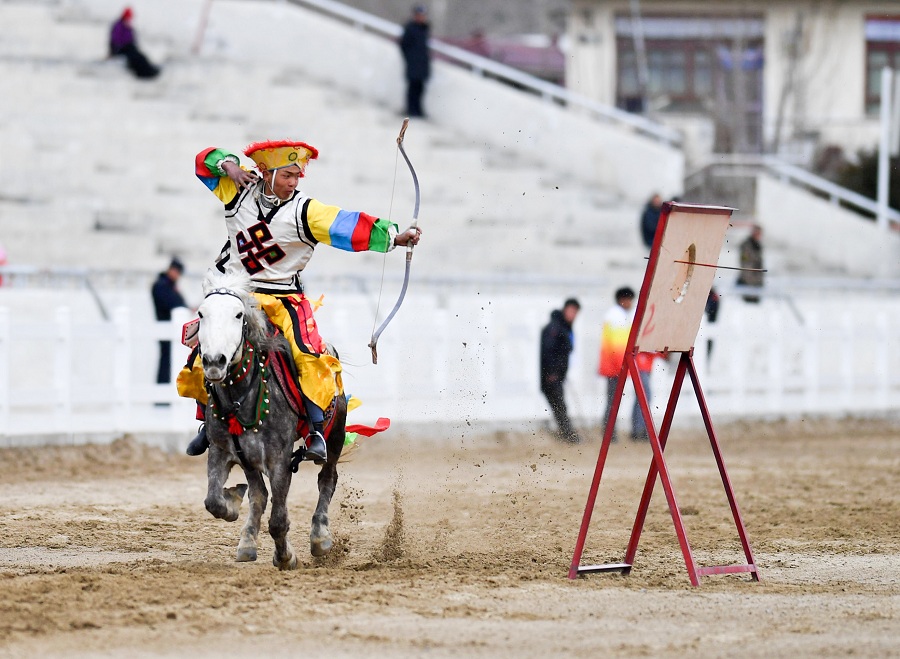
[(409, 246)]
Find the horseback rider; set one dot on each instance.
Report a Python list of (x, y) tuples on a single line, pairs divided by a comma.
[(273, 229)]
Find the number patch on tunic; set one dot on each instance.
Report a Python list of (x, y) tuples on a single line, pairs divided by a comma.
[(256, 246)]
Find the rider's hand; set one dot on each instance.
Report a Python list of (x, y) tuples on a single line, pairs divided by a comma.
[(241, 177), (411, 235)]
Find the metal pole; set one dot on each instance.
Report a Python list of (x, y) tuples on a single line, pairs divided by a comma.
[(201, 27), (884, 147), (640, 51)]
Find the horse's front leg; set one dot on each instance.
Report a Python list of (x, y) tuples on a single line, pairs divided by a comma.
[(220, 502), (320, 539), (279, 524), (258, 498)]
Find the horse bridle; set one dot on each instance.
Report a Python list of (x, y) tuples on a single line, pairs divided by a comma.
[(228, 291), (223, 291)]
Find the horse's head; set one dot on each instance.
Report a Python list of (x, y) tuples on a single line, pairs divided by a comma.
[(228, 315)]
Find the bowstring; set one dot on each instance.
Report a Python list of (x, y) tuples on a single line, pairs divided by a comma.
[(384, 256)]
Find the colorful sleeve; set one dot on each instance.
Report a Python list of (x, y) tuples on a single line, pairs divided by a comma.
[(207, 170), (351, 231)]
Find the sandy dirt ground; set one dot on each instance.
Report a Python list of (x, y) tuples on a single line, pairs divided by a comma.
[(455, 544)]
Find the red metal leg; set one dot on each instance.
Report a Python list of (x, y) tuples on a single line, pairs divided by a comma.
[(598, 471), (644, 505), (726, 481), (663, 470), (659, 468)]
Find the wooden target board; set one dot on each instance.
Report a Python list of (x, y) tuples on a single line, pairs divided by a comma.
[(679, 276)]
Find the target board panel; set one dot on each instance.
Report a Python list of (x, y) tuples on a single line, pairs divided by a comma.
[(679, 276)]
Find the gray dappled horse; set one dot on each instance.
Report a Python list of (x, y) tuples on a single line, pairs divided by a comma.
[(250, 422)]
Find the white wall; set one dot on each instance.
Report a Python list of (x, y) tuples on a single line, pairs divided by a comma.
[(836, 237), (828, 90), (591, 55)]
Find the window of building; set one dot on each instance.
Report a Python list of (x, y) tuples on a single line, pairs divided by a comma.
[(882, 49), (687, 59)]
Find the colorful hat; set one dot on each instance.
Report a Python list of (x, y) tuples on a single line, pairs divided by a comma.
[(281, 153)]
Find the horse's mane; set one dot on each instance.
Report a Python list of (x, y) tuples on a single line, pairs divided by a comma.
[(239, 283)]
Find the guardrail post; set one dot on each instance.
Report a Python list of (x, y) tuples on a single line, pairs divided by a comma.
[(5, 341), (848, 360), (62, 372), (122, 368), (882, 362), (884, 148), (775, 376), (812, 350)]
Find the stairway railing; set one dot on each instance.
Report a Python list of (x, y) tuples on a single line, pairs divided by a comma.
[(484, 66), (749, 165)]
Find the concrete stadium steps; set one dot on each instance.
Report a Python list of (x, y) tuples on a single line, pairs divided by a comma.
[(123, 153), (71, 40)]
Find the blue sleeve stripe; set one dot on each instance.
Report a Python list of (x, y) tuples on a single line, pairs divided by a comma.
[(341, 230), (209, 182)]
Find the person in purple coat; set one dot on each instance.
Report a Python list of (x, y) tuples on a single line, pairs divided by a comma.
[(123, 43)]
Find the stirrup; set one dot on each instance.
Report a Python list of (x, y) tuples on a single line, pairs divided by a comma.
[(297, 457), (199, 444)]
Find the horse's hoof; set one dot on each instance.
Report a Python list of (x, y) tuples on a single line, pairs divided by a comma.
[(238, 490), (289, 564), (320, 545), (246, 554)]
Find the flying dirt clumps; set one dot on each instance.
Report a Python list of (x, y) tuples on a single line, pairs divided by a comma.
[(392, 546)]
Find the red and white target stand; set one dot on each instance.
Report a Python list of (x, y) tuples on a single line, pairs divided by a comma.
[(678, 279)]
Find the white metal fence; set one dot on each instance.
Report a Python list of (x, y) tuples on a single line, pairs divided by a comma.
[(465, 359)]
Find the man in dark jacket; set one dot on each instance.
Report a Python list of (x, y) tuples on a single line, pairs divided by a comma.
[(650, 218), (557, 341), (165, 298), (414, 45)]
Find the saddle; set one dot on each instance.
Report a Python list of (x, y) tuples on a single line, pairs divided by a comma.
[(282, 364)]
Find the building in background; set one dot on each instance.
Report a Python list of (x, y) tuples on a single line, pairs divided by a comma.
[(774, 76), (459, 19), (524, 34)]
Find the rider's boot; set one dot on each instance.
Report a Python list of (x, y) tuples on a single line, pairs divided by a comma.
[(315, 445), (200, 443)]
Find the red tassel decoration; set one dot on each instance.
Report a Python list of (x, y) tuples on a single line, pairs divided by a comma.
[(234, 426)]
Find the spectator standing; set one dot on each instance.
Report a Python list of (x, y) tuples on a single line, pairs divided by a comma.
[(557, 342), (650, 218), (614, 339), (414, 45), (712, 312), (123, 42), (165, 298), (752, 258)]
